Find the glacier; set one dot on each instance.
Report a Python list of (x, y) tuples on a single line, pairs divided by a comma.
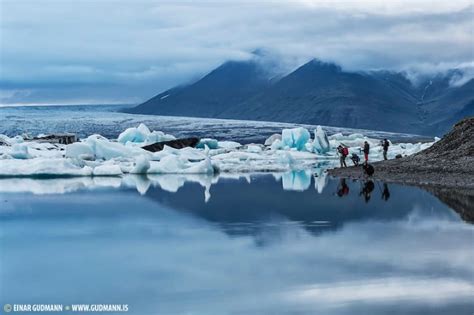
[(295, 149)]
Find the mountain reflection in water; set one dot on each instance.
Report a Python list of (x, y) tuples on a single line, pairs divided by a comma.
[(294, 243)]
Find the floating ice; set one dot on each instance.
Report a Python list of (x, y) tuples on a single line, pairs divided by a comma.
[(20, 151), (253, 148), (228, 145), (139, 134), (107, 170), (43, 167), (99, 156), (277, 145), (270, 140), (210, 143), (5, 140), (143, 134), (159, 136), (105, 149), (295, 138), (178, 165), (321, 142), (80, 150), (142, 165)]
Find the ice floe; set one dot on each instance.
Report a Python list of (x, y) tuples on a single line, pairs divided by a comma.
[(293, 150)]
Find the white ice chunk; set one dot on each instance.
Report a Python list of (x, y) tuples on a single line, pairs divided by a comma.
[(107, 170), (105, 149), (17, 139), (253, 148), (277, 145), (177, 165), (142, 164), (270, 140), (5, 140), (43, 167), (159, 136), (139, 134), (228, 145), (20, 151), (79, 150)]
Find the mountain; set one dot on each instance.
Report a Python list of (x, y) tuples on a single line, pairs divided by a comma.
[(228, 85), (320, 93)]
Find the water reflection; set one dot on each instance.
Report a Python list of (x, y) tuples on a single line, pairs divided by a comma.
[(342, 189), (297, 181), (251, 248), (385, 192), (366, 190)]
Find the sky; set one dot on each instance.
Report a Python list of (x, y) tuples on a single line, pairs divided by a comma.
[(117, 51)]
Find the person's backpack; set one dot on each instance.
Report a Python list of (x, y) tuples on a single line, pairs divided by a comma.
[(369, 169), (345, 151)]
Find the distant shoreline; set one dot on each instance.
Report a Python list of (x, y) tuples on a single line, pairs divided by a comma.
[(58, 105)]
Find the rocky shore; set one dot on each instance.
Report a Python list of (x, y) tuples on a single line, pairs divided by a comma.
[(446, 169), (449, 163)]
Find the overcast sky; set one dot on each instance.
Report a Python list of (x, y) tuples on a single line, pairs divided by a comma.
[(55, 51)]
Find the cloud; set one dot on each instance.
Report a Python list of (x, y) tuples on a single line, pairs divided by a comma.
[(152, 45)]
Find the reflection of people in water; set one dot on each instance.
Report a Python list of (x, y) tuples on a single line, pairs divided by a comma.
[(385, 192), (342, 189), (367, 190)]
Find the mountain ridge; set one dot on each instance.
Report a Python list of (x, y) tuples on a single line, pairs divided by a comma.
[(320, 92)]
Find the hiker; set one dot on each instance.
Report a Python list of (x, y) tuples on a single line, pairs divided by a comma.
[(355, 159), (366, 151), (343, 153), (368, 169), (342, 189), (385, 145), (386, 192)]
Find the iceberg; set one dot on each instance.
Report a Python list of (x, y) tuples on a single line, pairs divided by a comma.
[(253, 148), (96, 155), (230, 145), (20, 151), (139, 134), (295, 138), (5, 140), (159, 136), (80, 150), (107, 170), (142, 164), (269, 141), (106, 150), (276, 145), (42, 167), (210, 143), (142, 134), (178, 165), (321, 142)]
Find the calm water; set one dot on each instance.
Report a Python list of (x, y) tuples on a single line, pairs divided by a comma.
[(261, 244)]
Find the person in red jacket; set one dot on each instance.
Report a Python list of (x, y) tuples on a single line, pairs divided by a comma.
[(343, 153)]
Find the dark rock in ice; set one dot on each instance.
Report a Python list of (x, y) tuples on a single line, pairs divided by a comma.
[(177, 144)]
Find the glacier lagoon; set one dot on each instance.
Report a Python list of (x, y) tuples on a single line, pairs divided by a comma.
[(242, 244), (281, 243)]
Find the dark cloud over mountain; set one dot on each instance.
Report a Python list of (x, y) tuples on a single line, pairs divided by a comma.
[(54, 51)]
